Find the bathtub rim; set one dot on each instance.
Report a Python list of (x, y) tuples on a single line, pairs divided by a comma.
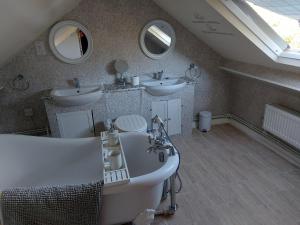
[(149, 179)]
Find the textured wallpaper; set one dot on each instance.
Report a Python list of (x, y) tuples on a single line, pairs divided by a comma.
[(115, 26), (248, 96)]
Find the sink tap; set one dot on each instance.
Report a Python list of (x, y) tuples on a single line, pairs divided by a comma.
[(158, 75), (76, 83)]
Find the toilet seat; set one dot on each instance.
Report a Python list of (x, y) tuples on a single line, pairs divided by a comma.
[(131, 123)]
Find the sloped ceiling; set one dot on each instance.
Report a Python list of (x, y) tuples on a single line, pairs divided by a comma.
[(22, 21), (209, 26)]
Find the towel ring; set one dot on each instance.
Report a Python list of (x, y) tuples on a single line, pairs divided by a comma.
[(19, 83)]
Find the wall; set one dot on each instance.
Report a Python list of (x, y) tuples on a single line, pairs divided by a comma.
[(249, 96), (115, 26)]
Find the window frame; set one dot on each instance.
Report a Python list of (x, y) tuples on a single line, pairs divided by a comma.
[(249, 23)]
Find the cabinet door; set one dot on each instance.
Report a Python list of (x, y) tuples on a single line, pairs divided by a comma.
[(75, 124), (160, 108), (174, 116)]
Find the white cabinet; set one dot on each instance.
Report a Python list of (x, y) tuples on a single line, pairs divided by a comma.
[(170, 112), (75, 124), (174, 116)]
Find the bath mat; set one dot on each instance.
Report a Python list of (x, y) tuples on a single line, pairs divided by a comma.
[(61, 205)]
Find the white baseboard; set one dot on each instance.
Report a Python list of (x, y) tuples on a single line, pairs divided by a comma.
[(264, 138), (217, 121)]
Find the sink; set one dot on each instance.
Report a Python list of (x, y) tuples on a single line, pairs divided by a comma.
[(76, 96), (164, 87)]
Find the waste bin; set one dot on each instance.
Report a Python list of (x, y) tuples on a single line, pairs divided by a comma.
[(205, 121)]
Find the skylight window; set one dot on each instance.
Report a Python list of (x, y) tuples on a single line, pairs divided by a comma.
[(287, 28)]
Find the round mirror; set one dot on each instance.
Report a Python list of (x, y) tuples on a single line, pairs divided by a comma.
[(70, 42), (157, 39)]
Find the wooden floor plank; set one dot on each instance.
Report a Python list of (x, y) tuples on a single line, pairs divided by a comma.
[(230, 179)]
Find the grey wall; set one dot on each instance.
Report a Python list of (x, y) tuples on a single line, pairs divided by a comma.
[(115, 26), (248, 96)]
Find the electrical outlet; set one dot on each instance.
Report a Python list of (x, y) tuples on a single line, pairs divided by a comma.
[(28, 112)]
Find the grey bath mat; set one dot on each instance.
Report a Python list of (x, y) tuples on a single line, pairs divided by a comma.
[(62, 205)]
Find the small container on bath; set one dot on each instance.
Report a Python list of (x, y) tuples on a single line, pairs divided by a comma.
[(115, 159), (113, 137)]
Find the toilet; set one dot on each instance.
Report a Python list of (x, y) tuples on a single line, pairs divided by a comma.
[(130, 123)]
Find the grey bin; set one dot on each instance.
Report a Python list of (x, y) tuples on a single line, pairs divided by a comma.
[(205, 121)]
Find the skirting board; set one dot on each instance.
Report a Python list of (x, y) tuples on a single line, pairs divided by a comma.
[(215, 121), (286, 152)]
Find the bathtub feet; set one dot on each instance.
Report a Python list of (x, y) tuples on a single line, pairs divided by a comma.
[(145, 218), (173, 206), (168, 212)]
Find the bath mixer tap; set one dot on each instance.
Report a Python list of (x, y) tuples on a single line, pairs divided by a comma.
[(159, 142), (165, 148)]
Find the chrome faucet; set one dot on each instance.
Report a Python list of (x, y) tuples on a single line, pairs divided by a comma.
[(76, 83), (158, 147), (158, 75), (159, 142)]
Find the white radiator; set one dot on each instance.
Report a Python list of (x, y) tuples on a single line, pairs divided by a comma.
[(283, 123)]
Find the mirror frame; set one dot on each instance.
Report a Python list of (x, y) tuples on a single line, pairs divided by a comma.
[(142, 37), (88, 35)]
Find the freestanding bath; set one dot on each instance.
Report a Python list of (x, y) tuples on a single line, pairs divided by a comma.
[(38, 161)]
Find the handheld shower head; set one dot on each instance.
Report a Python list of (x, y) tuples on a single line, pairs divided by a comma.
[(158, 120)]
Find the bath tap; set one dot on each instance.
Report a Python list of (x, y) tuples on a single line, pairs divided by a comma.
[(162, 147), (76, 83), (159, 142)]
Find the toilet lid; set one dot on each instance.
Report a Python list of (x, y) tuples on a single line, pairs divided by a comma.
[(131, 123)]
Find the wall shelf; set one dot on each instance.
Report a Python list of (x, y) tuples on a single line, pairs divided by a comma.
[(261, 78)]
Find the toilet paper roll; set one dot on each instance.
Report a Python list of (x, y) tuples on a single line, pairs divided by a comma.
[(135, 81)]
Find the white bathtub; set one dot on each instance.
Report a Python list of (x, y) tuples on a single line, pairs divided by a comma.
[(37, 161)]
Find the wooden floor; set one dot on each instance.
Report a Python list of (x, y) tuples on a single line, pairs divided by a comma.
[(230, 179)]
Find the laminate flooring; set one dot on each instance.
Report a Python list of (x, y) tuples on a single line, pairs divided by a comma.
[(230, 179)]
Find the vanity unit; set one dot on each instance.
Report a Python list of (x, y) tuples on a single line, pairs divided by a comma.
[(87, 120)]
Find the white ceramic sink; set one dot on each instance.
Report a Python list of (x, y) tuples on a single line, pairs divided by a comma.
[(164, 87), (76, 96)]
